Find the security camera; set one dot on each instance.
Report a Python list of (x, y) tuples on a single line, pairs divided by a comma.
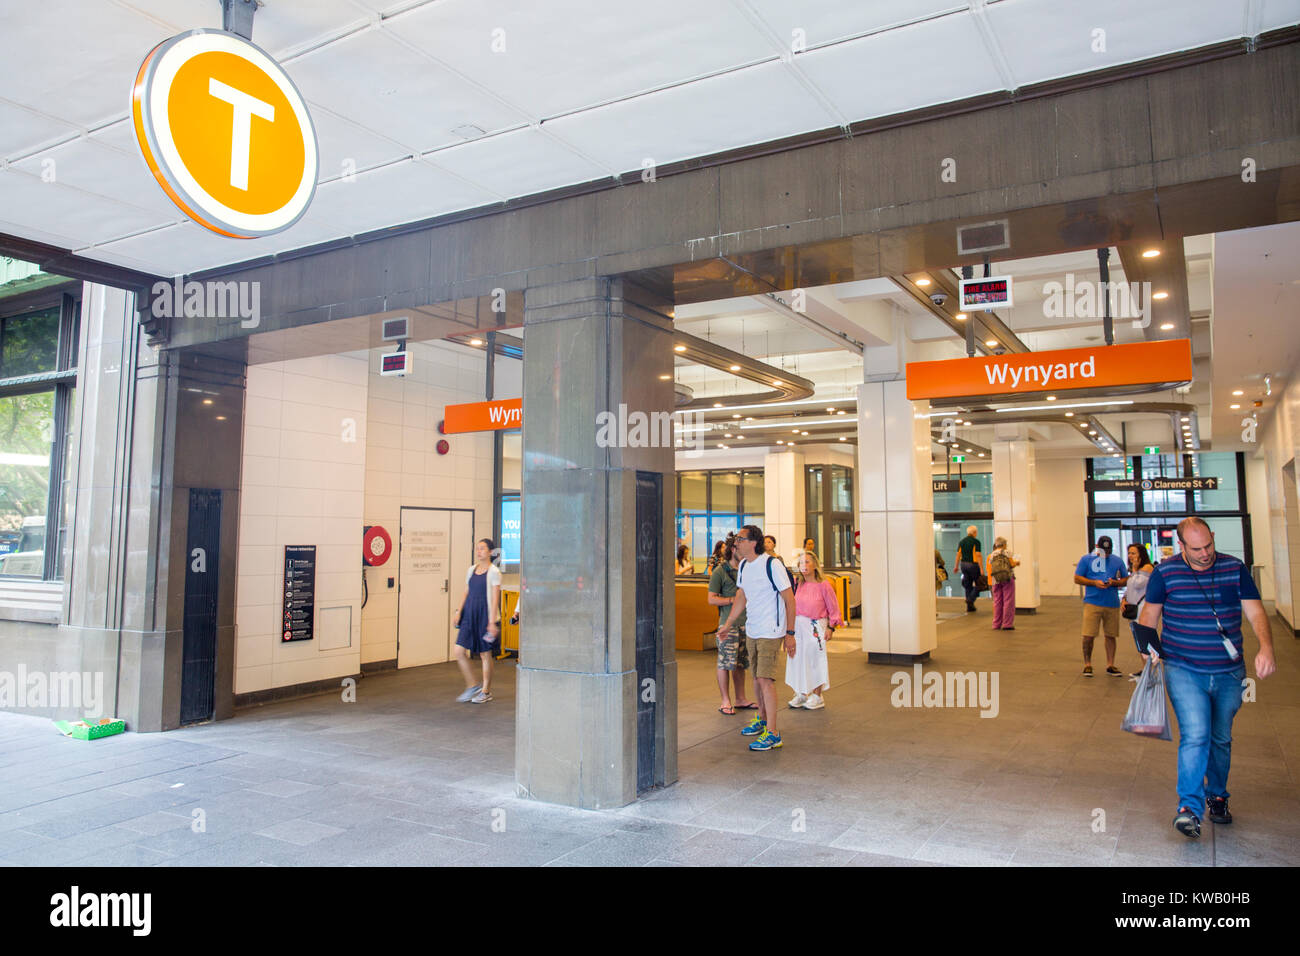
[(939, 298)]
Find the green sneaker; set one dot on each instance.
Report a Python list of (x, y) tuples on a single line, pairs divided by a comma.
[(754, 727), (769, 741)]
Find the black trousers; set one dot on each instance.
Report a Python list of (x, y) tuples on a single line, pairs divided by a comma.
[(970, 575)]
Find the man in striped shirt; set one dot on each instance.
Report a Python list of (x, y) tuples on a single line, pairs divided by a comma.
[(1203, 596)]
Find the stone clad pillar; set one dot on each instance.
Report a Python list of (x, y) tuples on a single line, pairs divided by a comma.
[(586, 683), (896, 525), (1015, 514), (785, 501)]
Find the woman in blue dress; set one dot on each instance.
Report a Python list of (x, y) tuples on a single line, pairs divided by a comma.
[(478, 619)]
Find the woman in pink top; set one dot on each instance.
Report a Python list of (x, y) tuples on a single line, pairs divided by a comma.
[(817, 614)]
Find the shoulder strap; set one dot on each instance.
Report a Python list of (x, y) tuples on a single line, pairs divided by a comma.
[(770, 579)]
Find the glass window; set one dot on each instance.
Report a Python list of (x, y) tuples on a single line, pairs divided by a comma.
[(29, 343), (976, 496), (814, 481), (754, 491), (694, 494), (726, 491), (1221, 465), (841, 489), (26, 437), (1113, 469)]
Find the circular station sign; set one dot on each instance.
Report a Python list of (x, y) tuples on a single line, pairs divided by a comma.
[(226, 133)]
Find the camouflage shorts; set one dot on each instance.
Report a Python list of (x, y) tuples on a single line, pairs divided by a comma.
[(733, 654)]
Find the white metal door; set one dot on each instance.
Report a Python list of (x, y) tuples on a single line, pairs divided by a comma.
[(424, 600)]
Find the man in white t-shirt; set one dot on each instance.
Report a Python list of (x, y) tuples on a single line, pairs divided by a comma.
[(765, 596)]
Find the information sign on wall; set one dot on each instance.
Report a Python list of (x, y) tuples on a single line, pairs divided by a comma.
[(298, 619)]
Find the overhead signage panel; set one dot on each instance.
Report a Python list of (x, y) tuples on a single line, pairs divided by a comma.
[(225, 133), (483, 416), (1153, 484), (948, 484), (1141, 363), (990, 292)]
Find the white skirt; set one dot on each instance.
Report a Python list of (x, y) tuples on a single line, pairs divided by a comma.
[(808, 668)]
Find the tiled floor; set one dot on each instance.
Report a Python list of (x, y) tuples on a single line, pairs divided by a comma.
[(405, 776)]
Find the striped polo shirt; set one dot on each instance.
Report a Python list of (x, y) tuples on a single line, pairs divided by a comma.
[(1190, 637)]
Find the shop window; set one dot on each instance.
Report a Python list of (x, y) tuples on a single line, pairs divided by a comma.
[(29, 343)]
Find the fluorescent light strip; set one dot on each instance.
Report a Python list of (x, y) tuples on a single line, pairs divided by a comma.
[(1045, 407), (801, 423), (822, 401)]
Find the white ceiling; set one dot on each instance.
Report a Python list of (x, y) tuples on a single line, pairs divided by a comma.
[(581, 91)]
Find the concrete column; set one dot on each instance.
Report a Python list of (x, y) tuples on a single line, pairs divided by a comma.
[(1015, 514), (591, 351), (897, 524), (145, 437), (785, 500)]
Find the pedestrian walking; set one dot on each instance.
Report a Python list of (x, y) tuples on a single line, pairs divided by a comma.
[(1130, 605), (478, 622), (733, 654), (1202, 596), (968, 561)]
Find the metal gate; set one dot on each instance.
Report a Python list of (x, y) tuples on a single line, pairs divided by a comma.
[(649, 586), (202, 569)]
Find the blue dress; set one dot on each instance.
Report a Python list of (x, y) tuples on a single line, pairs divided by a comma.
[(474, 617)]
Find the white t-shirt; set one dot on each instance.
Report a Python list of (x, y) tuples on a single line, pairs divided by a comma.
[(493, 578), (764, 608)]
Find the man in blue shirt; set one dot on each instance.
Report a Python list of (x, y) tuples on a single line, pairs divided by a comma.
[(1102, 575), (1203, 596)]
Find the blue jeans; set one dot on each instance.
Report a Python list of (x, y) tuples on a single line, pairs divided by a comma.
[(1205, 705)]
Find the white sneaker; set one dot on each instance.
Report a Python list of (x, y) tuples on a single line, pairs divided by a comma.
[(814, 702), (468, 694), (798, 701)]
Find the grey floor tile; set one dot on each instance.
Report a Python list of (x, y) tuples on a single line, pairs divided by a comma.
[(298, 832)]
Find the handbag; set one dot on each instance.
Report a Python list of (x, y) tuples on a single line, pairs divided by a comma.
[(1130, 611), (982, 583)]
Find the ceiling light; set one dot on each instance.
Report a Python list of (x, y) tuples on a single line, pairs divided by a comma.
[(475, 342), (777, 383), (1116, 455), (1238, 392), (970, 449), (679, 348), (1069, 414), (1091, 432), (960, 316), (1234, 407), (923, 282), (805, 434), (1166, 326), (1186, 419), (664, 378), (717, 404), (1051, 398), (735, 416), (727, 435), (991, 342), (735, 368), (795, 430), (221, 418), (841, 412), (1160, 295), (981, 454), (780, 441), (830, 408), (207, 401), (1150, 253), (749, 418), (1039, 408)]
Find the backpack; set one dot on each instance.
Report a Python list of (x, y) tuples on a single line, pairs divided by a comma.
[(1000, 567)]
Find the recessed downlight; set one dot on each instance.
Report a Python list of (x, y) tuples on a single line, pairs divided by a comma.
[(923, 282), (1160, 295), (679, 348), (1150, 253), (1166, 326), (778, 383), (1051, 398), (1069, 414), (476, 342), (1238, 391), (960, 316), (1234, 407), (990, 342), (717, 404), (664, 378)]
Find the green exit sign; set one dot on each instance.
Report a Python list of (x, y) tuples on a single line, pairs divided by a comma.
[(958, 458), (1151, 450)]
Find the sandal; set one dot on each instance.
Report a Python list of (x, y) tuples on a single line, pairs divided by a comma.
[(729, 711), (750, 706)]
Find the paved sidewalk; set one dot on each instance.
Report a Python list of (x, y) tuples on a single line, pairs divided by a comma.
[(406, 776)]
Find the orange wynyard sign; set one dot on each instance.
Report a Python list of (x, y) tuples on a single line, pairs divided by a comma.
[(483, 416), (226, 133), (1141, 363)]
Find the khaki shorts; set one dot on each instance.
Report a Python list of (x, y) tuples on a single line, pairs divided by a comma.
[(764, 655), (1104, 617)]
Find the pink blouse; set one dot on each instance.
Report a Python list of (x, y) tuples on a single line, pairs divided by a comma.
[(816, 599)]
